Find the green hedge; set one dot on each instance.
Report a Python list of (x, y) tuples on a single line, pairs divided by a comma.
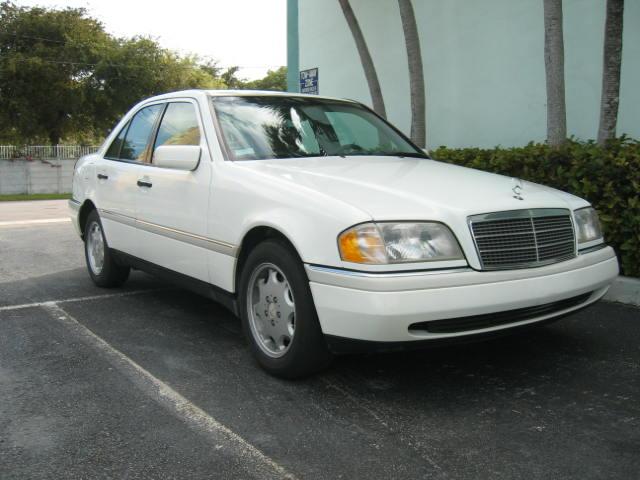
[(608, 177)]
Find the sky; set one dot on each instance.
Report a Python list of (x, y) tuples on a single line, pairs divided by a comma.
[(248, 33)]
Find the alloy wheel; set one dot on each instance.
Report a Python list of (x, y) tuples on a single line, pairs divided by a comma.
[(271, 308), (95, 248)]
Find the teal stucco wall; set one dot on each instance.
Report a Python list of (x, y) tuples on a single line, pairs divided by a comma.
[(292, 46), (483, 65)]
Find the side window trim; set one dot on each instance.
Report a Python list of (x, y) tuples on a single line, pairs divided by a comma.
[(126, 132), (154, 134), (156, 131), (124, 129)]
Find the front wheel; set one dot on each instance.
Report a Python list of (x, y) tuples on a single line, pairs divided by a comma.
[(103, 268), (278, 314)]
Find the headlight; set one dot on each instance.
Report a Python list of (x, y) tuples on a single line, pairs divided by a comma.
[(587, 225), (382, 243)]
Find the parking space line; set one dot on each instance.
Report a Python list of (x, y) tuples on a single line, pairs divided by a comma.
[(81, 299), (251, 457), (37, 221)]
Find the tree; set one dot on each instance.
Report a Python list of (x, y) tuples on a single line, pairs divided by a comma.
[(274, 80), (365, 58), (130, 70), (45, 61), (611, 71), (554, 68), (416, 73), (62, 75), (230, 78)]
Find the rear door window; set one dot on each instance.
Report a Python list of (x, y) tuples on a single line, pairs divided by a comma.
[(116, 145)]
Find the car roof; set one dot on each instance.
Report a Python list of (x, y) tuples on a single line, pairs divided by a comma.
[(239, 93)]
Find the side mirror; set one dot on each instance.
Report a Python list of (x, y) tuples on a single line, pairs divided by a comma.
[(178, 157)]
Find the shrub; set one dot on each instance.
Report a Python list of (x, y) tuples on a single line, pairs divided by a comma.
[(608, 177)]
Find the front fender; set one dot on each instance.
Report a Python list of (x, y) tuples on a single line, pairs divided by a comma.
[(83, 186), (311, 220)]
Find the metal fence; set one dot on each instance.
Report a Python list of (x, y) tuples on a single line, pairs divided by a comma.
[(62, 152)]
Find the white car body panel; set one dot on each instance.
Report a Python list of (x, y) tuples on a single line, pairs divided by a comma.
[(156, 207), (117, 195), (194, 223)]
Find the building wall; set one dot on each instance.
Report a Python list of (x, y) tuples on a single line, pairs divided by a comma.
[(483, 65)]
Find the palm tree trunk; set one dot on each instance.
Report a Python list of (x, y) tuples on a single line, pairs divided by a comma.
[(554, 67), (416, 73), (365, 58), (611, 71)]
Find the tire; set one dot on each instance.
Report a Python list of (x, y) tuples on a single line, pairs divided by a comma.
[(272, 270), (102, 266)]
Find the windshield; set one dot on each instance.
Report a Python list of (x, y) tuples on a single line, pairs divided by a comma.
[(266, 127)]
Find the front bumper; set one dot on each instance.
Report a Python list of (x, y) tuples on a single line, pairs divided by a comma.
[(382, 307)]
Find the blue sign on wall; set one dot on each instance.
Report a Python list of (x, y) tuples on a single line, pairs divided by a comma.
[(309, 81)]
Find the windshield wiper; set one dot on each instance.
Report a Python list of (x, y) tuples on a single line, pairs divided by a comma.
[(385, 154), (410, 154)]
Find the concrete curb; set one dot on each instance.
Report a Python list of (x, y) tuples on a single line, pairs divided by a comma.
[(624, 290)]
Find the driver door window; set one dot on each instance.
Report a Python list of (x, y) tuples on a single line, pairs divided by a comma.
[(179, 126), (132, 143)]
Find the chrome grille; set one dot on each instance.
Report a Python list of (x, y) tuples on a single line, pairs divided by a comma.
[(523, 238)]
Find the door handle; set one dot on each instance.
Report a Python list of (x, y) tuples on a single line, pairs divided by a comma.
[(102, 176), (142, 183)]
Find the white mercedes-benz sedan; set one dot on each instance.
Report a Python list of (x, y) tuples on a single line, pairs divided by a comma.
[(326, 230)]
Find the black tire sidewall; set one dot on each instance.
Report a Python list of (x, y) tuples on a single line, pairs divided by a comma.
[(308, 350), (112, 273)]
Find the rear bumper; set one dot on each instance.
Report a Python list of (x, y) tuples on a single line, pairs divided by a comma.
[(386, 308)]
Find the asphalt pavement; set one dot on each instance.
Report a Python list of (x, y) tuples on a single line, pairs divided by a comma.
[(150, 381)]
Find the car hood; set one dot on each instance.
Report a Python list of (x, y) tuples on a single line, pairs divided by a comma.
[(394, 188)]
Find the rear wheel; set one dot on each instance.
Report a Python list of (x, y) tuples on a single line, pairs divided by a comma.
[(278, 314), (103, 268)]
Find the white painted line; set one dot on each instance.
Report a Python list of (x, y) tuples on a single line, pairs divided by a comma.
[(249, 456), (40, 221), (80, 299)]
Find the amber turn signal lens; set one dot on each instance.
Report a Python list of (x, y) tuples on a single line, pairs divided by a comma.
[(349, 249), (362, 244)]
